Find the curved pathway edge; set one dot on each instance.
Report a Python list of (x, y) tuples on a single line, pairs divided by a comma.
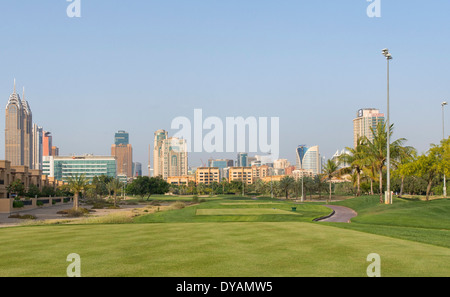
[(340, 214)]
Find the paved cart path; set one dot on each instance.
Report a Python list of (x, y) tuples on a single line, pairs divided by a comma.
[(342, 214)]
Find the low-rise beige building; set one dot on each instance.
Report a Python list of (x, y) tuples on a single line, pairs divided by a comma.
[(9, 174), (241, 174), (207, 175), (274, 178), (259, 172), (180, 180), (299, 173)]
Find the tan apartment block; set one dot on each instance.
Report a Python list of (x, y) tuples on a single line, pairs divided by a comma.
[(241, 174), (268, 179), (180, 180), (207, 175), (9, 174), (259, 172)]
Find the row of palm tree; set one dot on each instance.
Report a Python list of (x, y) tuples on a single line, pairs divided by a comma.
[(369, 158), (80, 183)]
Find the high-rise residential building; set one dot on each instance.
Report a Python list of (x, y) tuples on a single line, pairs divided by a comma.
[(55, 151), (47, 143), (170, 156), (174, 157), (366, 119), (242, 160), (308, 158), (159, 138), (281, 164), (121, 137), (37, 147), (137, 169), (18, 131), (122, 150), (61, 167)]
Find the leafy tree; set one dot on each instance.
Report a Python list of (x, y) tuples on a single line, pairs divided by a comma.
[(16, 187), (428, 166), (147, 186), (99, 184), (77, 183), (48, 191), (33, 191)]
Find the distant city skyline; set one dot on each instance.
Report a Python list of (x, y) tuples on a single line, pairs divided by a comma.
[(135, 66)]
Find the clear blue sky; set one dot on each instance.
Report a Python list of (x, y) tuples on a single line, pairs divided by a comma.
[(136, 65)]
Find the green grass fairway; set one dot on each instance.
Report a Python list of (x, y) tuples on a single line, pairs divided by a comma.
[(422, 221), (213, 249), (239, 210), (241, 237), (243, 212)]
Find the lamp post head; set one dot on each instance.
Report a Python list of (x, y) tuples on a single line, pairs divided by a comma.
[(386, 53), (444, 103)]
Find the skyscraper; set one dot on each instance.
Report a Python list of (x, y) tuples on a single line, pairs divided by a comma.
[(47, 143), (366, 119), (18, 135), (121, 137), (242, 160), (37, 147), (55, 151), (308, 158), (27, 133), (159, 137), (122, 150), (169, 155)]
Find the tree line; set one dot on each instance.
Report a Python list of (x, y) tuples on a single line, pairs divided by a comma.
[(411, 172)]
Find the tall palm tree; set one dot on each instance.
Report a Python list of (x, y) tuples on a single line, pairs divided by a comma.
[(114, 186), (356, 160), (330, 170), (286, 184), (376, 150), (260, 186), (77, 183)]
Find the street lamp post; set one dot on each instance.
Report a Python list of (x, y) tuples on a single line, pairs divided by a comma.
[(443, 137), (388, 56)]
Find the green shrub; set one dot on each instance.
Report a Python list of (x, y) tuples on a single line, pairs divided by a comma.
[(17, 204), (39, 203)]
